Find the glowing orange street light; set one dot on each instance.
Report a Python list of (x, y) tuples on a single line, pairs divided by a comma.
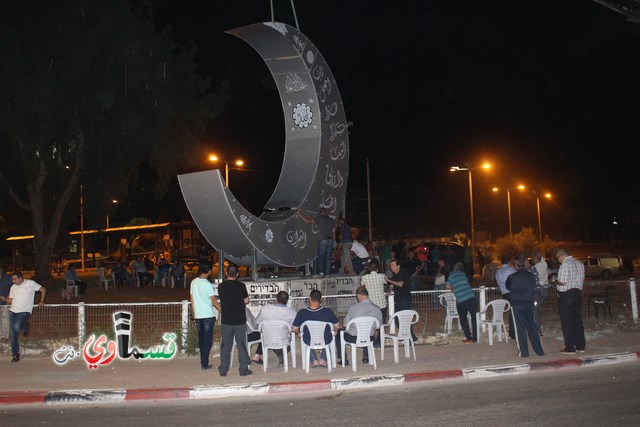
[(496, 189), (485, 166), (215, 158), (546, 196)]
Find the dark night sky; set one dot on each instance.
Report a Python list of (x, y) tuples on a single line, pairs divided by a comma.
[(545, 90)]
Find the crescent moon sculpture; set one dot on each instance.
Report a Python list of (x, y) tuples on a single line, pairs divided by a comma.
[(315, 168)]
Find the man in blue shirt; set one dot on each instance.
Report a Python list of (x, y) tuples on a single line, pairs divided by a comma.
[(465, 301), (315, 311)]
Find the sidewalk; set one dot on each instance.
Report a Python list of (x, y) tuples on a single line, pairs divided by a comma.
[(40, 380)]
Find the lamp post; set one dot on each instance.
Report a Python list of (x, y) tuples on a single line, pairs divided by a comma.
[(215, 158), (508, 190), (113, 201), (548, 196), (81, 229), (484, 166)]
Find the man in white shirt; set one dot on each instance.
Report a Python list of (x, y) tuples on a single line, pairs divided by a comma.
[(21, 298), (361, 256), (277, 311)]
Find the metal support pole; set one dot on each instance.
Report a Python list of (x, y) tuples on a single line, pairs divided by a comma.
[(473, 227), (482, 292), (634, 299), (81, 229), (220, 265), (509, 209), (369, 203), (539, 220), (254, 264), (81, 324), (185, 325)]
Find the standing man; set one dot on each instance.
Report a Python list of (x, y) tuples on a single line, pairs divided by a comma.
[(233, 299), (570, 282), (364, 308), (501, 277), (5, 287), (400, 283), (374, 282), (521, 285), (361, 256), (21, 298), (541, 292), (326, 228), (203, 300), (347, 240), (465, 301)]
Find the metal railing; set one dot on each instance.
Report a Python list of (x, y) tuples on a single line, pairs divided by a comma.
[(54, 325)]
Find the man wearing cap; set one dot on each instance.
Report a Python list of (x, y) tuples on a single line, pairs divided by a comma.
[(21, 298)]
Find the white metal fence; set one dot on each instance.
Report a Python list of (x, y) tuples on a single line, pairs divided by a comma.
[(58, 324)]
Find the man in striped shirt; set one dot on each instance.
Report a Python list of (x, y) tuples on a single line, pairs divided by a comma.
[(465, 301), (569, 286)]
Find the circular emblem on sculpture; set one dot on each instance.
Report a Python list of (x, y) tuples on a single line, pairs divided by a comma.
[(269, 235), (302, 115)]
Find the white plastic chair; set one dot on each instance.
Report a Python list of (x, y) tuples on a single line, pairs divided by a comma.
[(71, 287), (317, 342), (271, 332), (102, 274), (184, 281), (364, 325), (406, 318), (499, 307), (448, 301)]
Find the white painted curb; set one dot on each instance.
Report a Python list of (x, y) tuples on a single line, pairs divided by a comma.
[(367, 382), (206, 392), (493, 371), (608, 359)]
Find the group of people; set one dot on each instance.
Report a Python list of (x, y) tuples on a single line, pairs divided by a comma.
[(524, 283), (147, 273), (355, 254), (230, 298)]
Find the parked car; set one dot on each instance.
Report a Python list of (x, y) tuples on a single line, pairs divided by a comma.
[(603, 266)]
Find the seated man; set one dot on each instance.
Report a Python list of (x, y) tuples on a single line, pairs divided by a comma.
[(363, 308), (140, 269), (277, 311), (162, 271), (121, 275), (72, 275), (361, 255), (315, 311), (177, 272)]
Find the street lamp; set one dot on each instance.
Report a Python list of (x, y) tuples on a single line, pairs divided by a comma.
[(215, 158), (113, 201), (485, 166), (547, 196), (508, 190)]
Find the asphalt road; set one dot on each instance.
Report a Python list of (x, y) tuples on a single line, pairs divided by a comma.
[(593, 396)]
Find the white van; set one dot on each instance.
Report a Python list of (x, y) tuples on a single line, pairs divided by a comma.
[(603, 266)]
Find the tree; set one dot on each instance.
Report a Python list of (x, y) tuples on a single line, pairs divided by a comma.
[(89, 90)]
